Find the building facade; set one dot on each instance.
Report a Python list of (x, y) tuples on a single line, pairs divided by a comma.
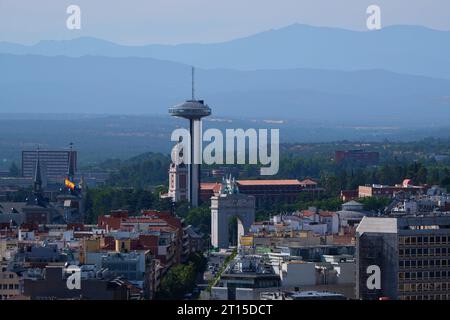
[(54, 163), (413, 254)]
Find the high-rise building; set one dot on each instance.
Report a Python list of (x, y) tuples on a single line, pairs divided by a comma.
[(54, 163), (412, 252)]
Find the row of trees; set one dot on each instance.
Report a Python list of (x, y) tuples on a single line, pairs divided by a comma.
[(324, 203), (101, 201), (144, 171)]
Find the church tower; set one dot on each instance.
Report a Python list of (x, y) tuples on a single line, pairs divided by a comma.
[(178, 175)]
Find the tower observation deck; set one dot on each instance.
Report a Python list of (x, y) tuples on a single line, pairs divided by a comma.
[(193, 110)]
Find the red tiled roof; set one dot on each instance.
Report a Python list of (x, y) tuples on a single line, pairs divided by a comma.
[(308, 181), (144, 220), (284, 182), (307, 213), (161, 228), (326, 213), (208, 185), (211, 186)]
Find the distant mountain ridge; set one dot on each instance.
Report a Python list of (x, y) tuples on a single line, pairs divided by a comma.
[(95, 84), (403, 49)]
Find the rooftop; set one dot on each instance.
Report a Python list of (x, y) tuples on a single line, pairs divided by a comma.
[(377, 225), (284, 182)]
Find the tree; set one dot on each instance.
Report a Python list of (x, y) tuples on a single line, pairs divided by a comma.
[(178, 281), (14, 170), (374, 203), (200, 218)]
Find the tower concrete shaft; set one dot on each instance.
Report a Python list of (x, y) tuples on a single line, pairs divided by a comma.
[(195, 126), (193, 110)]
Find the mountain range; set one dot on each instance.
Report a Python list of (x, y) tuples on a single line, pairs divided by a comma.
[(403, 49), (397, 74)]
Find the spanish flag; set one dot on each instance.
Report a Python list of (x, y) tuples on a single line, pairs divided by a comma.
[(70, 184)]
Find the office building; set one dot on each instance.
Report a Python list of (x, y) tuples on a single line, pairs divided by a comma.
[(413, 254), (54, 163)]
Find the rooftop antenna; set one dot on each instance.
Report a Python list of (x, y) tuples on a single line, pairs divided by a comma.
[(193, 83)]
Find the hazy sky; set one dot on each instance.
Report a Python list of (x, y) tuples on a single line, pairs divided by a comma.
[(176, 21)]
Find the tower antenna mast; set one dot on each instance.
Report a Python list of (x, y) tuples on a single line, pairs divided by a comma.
[(193, 83)]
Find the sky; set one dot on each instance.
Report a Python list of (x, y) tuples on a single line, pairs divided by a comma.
[(137, 22)]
